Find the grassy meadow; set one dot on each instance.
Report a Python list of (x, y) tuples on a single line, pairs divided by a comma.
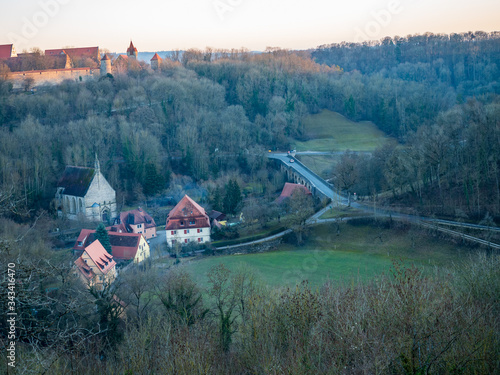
[(330, 131), (356, 253)]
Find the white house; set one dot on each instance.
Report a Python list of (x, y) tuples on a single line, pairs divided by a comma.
[(187, 222)]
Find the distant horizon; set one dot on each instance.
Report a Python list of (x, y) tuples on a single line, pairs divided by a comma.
[(226, 24), (250, 50)]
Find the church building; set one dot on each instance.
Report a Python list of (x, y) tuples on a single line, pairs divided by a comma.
[(83, 193)]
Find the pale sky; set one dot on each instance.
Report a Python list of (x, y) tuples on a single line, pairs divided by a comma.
[(156, 25)]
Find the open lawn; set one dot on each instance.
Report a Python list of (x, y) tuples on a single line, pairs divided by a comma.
[(358, 252), (330, 131)]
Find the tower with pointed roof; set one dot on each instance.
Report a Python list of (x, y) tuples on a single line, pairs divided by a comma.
[(105, 65), (156, 62), (132, 51)]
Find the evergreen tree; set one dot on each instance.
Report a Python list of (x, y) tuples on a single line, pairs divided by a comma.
[(101, 234), (216, 199), (154, 181), (232, 197)]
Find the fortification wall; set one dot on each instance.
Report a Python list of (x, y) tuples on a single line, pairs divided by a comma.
[(52, 76)]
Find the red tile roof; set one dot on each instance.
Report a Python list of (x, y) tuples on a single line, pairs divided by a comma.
[(105, 57), (91, 52), (6, 51), (186, 211), (156, 57), (85, 270), (138, 216), (124, 246), (100, 256), (133, 217), (83, 239), (131, 48), (288, 190)]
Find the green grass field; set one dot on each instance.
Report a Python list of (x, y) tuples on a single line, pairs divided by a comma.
[(358, 253), (330, 131)]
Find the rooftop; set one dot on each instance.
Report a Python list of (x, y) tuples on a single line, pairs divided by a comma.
[(76, 180), (100, 256)]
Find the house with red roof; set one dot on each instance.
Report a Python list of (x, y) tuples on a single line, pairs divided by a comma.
[(7, 51), (96, 267), (187, 222), (84, 193), (135, 221), (124, 246), (80, 57), (289, 189)]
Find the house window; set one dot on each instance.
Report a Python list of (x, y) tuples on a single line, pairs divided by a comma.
[(200, 239), (186, 240), (182, 223), (192, 222), (80, 243), (200, 230), (173, 232), (186, 231), (139, 226)]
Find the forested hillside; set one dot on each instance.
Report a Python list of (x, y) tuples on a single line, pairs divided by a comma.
[(206, 121), (212, 113)]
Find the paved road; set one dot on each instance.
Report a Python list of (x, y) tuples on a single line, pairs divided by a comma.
[(270, 238), (326, 189), (157, 245)]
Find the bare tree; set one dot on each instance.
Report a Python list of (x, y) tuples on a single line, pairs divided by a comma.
[(346, 173), (300, 207)]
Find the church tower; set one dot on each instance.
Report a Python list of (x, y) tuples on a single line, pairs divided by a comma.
[(105, 65), (132, 51)]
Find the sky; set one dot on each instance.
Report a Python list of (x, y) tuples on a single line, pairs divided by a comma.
[(160, 25)]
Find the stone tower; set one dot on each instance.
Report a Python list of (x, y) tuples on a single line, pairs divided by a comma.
[(105, 65), (156, 62), (132, 51)]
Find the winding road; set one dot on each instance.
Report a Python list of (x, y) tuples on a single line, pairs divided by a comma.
[(327, 190)]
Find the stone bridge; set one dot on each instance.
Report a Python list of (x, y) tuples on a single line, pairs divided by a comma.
[(300, 174)]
